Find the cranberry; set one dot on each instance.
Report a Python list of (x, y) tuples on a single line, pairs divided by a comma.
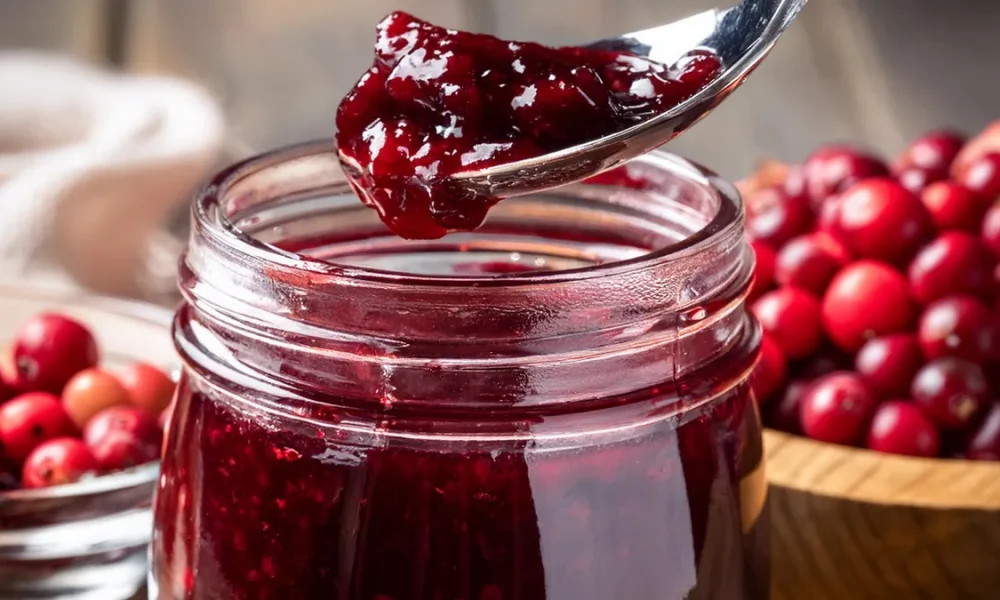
[(888, 363), (30, 419), (835, 168), (982, 176), (49, 349), (954, 263), (123, 436), (899, 427), (57, 462), (985, 441), (959, 326), (836, 408), (916, 179), (89, 392), (148, 387), (810, 261), (866, 299), (882, 220), (783, 415), (777, 217), (953, 206), (769, 373), (952, 391), (763, 271), (828, 219), (990, 231), (792, 318), (933, 152)]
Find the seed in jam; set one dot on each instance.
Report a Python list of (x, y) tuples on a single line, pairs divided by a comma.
[(437, 102)]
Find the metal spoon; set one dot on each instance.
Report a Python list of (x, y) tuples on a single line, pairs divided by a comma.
[(741, 36)]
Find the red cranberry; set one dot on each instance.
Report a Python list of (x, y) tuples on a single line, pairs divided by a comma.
[(833, 169), (866, 299), (769, 373), (916, 179), (836, 408), (882, 220), (148, 387), (954, 207), (985, 442), (810, 261), (792, 318), (783, 415), (763, 270), (89, 392), (954, 263), (57, 462), (123, 436), (899, 427), (888, 363), (777, 217), (30, 419), (935, 152), (990, 231), (959, 326), (828, 219), (49, 349), (952, 391), (982, 176)]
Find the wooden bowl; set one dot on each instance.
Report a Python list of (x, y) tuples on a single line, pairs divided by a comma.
[(849, 523)]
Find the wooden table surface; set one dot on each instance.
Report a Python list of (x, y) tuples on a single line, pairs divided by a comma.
[(876, 73)]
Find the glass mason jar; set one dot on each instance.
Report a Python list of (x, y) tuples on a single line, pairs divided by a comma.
[(554, 406)]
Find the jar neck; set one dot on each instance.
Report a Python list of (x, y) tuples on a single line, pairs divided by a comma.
[(643, 276)]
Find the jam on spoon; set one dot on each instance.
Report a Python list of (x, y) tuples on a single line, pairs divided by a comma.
[(437, 102)]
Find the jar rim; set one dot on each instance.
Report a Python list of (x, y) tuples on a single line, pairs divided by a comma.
[(209, 217)]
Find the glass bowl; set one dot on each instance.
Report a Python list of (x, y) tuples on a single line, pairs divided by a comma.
[(88, 539)]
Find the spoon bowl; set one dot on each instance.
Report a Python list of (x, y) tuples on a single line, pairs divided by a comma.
[(741, 36)]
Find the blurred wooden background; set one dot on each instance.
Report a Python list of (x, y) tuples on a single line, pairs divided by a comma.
[(876, 73)]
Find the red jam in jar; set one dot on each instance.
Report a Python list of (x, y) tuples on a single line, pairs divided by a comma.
[(437, 102), (551, 407)]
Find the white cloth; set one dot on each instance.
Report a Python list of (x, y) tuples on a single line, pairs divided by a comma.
[(91, 165)]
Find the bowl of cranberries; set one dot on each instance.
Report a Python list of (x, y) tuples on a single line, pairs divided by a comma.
[(877, 287), (85, 388)]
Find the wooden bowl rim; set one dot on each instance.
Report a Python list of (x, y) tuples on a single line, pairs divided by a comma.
[(860, 475)]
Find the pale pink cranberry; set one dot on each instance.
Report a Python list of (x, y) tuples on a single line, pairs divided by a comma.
[(148, 387), (899, 427), (889, 362), (954, 263), (837, 408), (810, 261), (866, 299), (959, 326), (792, 318), (951, 391)]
